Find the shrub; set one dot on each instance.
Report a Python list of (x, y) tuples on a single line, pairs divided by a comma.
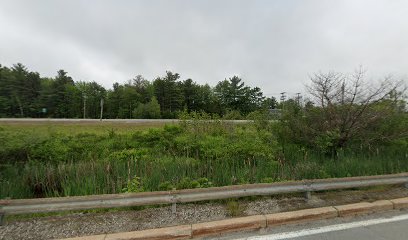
[(134, 186), (166, 186), (233, 115)]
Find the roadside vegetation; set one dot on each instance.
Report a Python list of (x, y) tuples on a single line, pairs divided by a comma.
[(194, 154), (350, 129)]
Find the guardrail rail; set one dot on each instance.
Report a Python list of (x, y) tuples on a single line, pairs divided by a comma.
[(38, 205)]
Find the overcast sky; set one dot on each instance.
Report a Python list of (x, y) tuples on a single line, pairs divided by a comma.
[(275, 45)]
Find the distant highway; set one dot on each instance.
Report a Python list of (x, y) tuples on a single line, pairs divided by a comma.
[(80, 120)]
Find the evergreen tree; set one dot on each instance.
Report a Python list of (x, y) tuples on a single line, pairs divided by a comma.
[(150, 110), (234, 95), (61, 96), (168, 93)]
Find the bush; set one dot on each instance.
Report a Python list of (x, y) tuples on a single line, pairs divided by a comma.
[(150, 110), (166, 186), (134, 186), (233, 115)]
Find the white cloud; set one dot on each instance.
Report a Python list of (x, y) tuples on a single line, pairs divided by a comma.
[(271, 44)]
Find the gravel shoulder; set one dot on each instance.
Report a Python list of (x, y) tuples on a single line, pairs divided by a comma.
[(88, 223)]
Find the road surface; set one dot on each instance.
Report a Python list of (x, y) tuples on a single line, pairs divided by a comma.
[(391, 226)]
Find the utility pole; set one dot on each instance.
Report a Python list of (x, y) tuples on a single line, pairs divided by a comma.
[(298, 98), (84, 105), (282, 98), (101, 108)]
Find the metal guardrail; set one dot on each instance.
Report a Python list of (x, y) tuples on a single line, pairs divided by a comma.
[(24, 206)]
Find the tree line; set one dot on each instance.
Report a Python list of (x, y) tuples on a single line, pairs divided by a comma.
[(24, 93), (342, 109)]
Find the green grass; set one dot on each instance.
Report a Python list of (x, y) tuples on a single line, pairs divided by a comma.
[(72, 128), (44, 160)]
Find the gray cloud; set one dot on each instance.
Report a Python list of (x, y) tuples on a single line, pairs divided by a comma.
[(271, 44)]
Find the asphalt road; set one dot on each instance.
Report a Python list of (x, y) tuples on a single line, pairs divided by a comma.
[(392, 230), (391, 225)]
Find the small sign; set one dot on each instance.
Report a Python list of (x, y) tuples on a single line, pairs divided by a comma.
[(44, 110)]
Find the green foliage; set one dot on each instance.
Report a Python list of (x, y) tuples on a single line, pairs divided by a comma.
[(233, 115), (267, 180), (169, 94), (346, 113), (128, 155), (343, 136), (133, 186), (187, 183), (26, 94), (166, 186), (150, 110), (326, 142), (196, 154), (234, 95), (204, 183)]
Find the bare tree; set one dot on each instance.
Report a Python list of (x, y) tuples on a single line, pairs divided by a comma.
[(347, 107)]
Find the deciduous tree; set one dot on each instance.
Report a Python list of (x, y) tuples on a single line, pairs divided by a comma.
[(347, 108)]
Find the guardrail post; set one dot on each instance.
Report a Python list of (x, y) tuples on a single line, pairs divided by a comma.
[(174, 204), (174, 208), (308, 195), (2, 214)]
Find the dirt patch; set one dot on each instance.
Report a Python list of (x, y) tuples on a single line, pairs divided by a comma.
[(81, 224)]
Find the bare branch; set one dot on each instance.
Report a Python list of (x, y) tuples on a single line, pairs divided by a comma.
[(350, 105)]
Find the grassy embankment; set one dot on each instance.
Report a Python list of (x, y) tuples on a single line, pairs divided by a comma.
[(44, 160)]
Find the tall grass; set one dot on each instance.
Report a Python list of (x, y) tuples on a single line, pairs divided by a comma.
[(180, 156)]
